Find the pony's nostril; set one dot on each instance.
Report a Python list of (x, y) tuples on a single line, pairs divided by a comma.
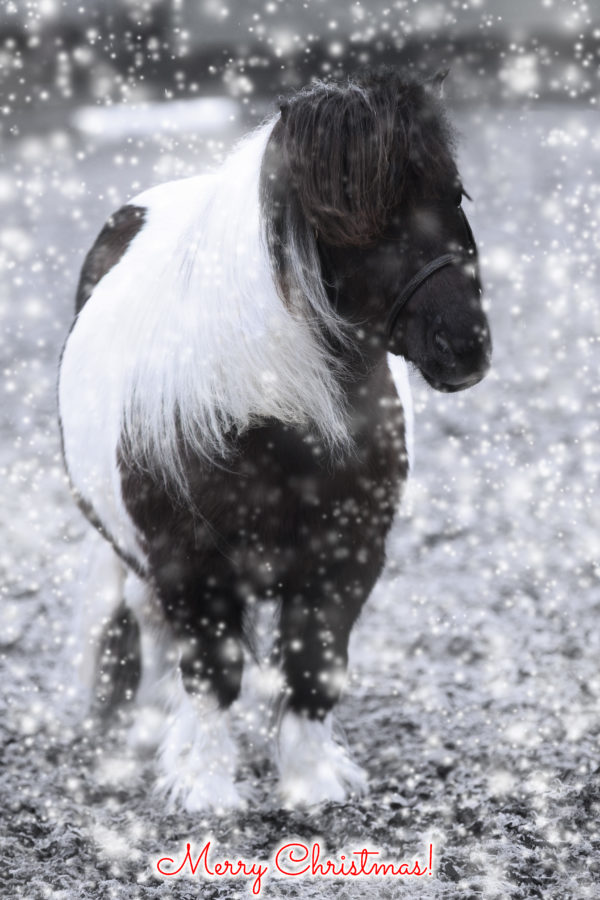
[(442, 345)]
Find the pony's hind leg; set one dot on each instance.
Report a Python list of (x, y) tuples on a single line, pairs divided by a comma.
[(197, 754), (159, 660), (104, 632)]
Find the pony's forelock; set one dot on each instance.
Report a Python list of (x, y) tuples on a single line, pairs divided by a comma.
[(352, 151)]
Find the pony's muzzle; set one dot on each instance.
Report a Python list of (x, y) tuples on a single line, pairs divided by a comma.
[(458, 362)]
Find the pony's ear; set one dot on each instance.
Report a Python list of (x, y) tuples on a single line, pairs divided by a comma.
[(284, 106), (435, 84)]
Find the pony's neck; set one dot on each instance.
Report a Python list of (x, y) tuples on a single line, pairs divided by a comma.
[(363, 352)]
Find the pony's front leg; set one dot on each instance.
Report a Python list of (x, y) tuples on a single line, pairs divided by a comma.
[(197, 754), (316, 621)]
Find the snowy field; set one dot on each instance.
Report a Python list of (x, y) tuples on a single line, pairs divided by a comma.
[(473, 699)]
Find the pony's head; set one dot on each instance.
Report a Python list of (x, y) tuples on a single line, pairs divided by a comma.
[(360, 179)]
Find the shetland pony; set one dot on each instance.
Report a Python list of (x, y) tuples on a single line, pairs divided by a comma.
[(230, 422)]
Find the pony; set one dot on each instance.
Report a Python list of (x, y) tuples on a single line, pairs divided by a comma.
[(235, 415)]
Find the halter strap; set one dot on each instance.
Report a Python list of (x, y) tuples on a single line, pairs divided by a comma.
[(415, 282), (440, 262)]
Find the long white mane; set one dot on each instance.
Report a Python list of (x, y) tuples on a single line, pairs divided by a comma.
[(207, 343)]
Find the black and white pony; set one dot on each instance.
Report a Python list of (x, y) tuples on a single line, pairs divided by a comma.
[(229, 418)]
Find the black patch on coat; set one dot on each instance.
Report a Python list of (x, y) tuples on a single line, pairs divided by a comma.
[(108, 248), (279, 519)]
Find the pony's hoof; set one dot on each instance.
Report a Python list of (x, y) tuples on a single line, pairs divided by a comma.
[(332, 782), (314, 768), (143, 735), (198, 793), (219, 794)]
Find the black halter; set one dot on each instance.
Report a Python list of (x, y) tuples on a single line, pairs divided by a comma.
[(440, 262)]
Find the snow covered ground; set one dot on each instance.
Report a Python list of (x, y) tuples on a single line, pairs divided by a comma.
[(474, 693)]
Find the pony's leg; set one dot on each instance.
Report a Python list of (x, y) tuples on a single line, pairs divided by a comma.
[(159, 664), (321, 606), (101, 598), (197, 754)]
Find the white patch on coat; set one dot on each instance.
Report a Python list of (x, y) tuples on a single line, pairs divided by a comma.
[(187, 334), (313, 766), (399, 370)]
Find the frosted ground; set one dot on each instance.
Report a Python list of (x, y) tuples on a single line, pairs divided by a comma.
[(475, 677)]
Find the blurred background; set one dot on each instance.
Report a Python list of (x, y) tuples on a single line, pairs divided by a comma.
[(474, 693), (56, 52)]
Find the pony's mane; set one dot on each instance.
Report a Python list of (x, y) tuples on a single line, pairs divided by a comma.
[(351, 152), (212, 350), (236, 326)]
